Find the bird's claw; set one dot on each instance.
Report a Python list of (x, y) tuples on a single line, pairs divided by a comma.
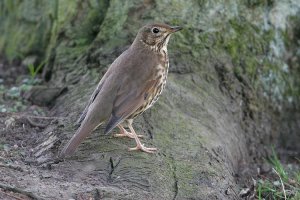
[(127, 134), (143, 148)]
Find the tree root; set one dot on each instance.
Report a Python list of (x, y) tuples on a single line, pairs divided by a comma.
[(19, 114), (18, 168), (29, 118), (20, 191)]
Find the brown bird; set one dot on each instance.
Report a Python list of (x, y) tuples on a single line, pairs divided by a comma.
[(131, 85)]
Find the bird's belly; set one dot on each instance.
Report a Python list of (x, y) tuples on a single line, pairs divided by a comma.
[(153, 97), (157, 92)]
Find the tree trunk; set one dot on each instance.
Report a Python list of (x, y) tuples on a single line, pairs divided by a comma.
[(216, 115)]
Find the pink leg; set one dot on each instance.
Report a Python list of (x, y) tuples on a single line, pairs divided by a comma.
[(124, 133), (139, 145)]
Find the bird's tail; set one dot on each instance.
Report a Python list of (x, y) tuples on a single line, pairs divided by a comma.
[(82, 132)]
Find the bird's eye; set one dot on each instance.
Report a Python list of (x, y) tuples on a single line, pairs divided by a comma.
[(155, 30)]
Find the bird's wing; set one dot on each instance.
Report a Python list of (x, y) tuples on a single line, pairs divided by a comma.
[(91, 100), (127, 102), (124, 104), (94, 114)]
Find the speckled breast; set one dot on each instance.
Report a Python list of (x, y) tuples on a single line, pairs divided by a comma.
[(162, 74)]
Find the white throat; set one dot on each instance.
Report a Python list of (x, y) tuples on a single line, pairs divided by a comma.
[(164, 48)]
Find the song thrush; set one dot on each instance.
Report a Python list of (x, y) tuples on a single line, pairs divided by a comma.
[(131, 85)]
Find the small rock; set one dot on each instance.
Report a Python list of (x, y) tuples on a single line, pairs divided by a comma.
[(245, 192), (43, 95), (265, 168), (227, 191), (276, 183), (46, 175), (9, 123)]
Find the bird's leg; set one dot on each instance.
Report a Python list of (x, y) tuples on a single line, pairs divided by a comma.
[(124, 133), (139, 145)]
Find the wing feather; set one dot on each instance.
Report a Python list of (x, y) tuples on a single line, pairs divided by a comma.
[(92, 98), (127, 103)]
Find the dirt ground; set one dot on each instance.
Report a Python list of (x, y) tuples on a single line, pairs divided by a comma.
[(20, 132), (20, 179)]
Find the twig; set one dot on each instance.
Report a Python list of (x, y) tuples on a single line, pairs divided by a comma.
[(12, 167), (51, 161), (18, 190), (254, 189), (31, 116), (284, 193), (42, 117), (32, 123), (2, 158)]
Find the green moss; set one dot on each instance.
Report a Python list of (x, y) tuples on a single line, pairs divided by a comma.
[(245, 42), (185, 172), (112, 28), (256, 3), (25, 30)]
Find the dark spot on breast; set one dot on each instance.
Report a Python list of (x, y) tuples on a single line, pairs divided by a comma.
[(145, 96)]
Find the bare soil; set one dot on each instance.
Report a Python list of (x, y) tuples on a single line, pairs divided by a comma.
[(20, 135)]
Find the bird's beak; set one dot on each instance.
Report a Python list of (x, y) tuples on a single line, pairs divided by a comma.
[(175, 28)]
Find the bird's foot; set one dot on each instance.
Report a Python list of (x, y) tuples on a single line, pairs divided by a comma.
[(126, 134), (143, 148)]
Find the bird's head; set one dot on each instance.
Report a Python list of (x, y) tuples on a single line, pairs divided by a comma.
[(156, 36)]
